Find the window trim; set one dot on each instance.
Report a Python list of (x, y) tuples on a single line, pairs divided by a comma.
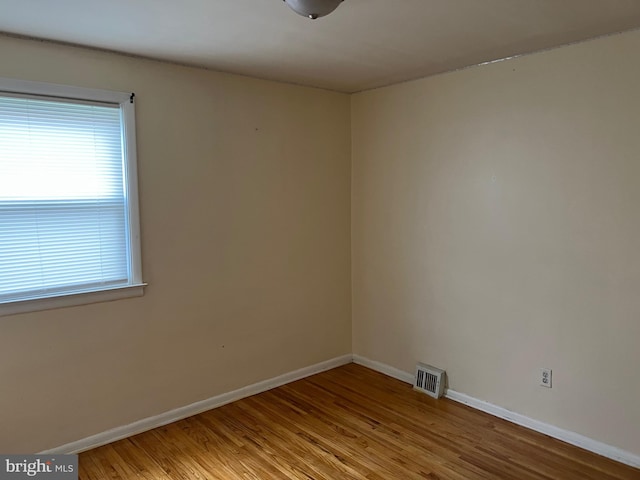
[(125, 100)]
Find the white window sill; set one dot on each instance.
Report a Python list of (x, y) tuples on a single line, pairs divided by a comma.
[(71, 300)]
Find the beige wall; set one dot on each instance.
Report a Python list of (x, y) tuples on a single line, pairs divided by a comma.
[(496, 230), (245, 218)]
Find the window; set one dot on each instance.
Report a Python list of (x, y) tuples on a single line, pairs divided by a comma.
[(69, 229)]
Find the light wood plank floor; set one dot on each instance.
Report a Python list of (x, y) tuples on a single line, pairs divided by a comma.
[(347, 423)]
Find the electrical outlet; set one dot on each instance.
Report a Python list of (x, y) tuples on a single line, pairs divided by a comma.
[(545, 377)]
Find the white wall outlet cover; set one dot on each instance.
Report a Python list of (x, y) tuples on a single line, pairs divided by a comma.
[(545, 377)]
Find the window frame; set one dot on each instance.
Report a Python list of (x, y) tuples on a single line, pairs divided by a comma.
[(125, 101)]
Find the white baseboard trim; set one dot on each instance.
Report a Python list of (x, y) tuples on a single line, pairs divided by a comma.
[(383, 368), (567, 436), (150, 423)]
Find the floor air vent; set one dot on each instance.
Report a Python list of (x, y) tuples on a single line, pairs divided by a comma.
[(429, 380)]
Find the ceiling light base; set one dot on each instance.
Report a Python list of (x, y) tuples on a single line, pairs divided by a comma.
[(313, 8)]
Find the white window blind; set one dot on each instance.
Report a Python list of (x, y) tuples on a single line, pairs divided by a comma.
[(64, 204)]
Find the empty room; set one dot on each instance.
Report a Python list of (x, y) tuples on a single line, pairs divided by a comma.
[(320, 239)]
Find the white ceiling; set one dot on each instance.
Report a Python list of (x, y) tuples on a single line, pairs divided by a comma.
[(363, 44)]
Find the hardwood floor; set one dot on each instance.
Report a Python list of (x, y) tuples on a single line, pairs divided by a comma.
[(347, 423)]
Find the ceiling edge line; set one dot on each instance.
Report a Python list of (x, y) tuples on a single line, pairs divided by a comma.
[(346, 92), (62, 43), (502, 59)]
